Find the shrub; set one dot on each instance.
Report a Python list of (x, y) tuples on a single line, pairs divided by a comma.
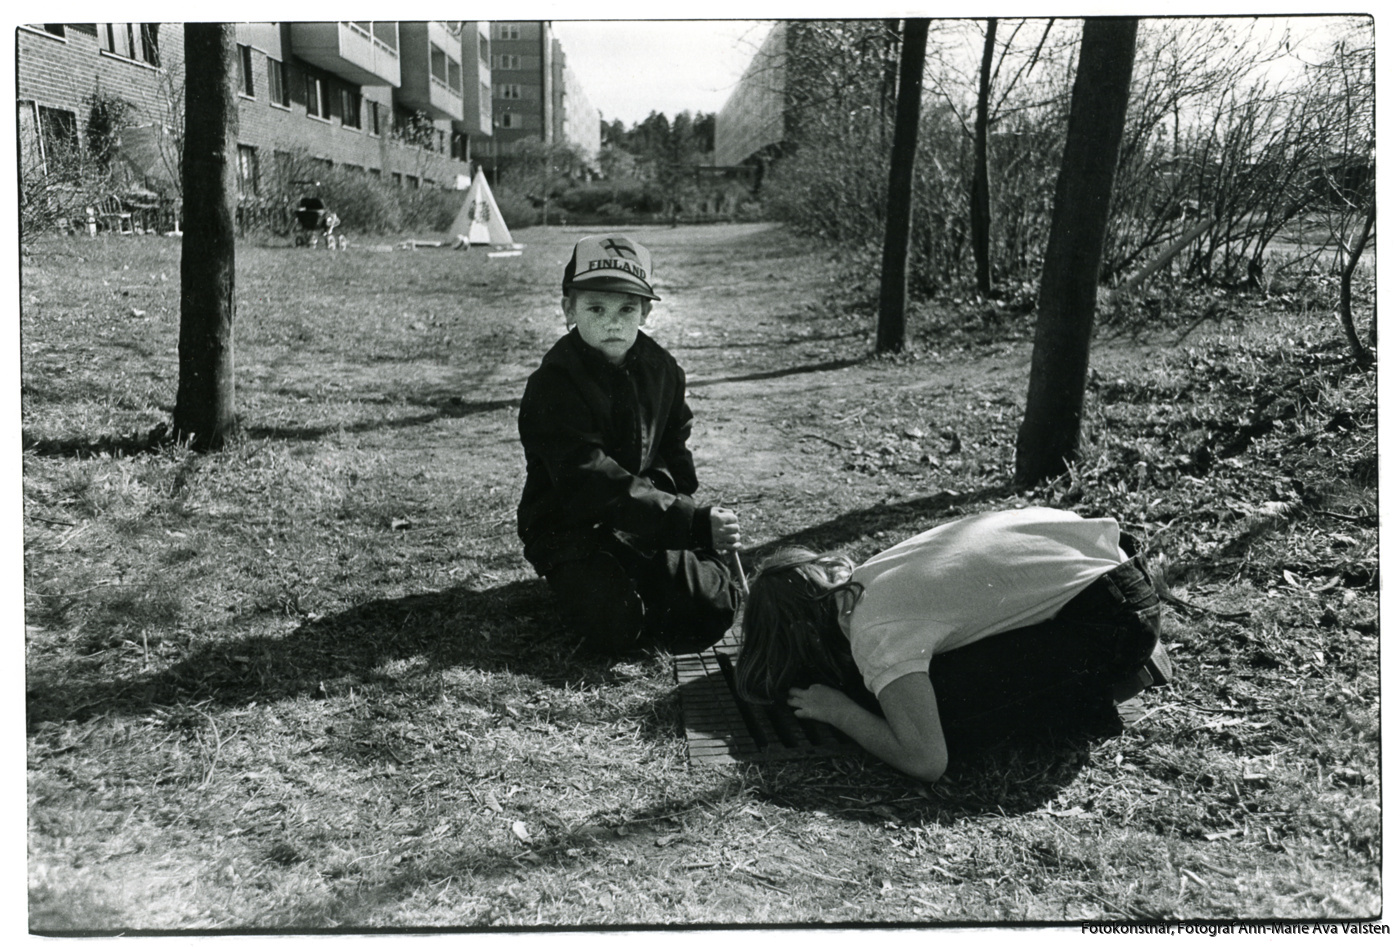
[(516, 211)]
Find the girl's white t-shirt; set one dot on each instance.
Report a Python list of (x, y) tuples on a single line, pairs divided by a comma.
[(970, 579)]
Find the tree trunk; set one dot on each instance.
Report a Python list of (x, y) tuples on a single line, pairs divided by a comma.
[(1049, 436), (889, 78), (889, 335), (981, 216), (204, 403), (1365, 358)]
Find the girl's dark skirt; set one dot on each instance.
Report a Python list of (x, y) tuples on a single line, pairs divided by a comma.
[(1054, 677)]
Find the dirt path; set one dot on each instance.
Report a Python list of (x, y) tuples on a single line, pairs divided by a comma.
[(789, 407), (783, 391)]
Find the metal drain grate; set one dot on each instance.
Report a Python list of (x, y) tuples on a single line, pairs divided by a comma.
[(719, 727)]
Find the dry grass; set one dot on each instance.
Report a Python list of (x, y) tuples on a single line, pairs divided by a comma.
[(310, 683)]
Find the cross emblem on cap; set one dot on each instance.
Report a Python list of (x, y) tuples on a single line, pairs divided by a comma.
[(618, 249)]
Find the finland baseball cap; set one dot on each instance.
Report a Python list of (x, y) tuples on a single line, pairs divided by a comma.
[(610, 263)]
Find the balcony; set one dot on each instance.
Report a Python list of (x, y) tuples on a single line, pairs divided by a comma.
[(362, 52), (432, 70), (476, 89)]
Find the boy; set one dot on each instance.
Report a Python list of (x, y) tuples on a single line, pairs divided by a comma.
[(607, 515)]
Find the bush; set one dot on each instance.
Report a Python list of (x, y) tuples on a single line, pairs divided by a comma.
[(363, 204), (431, 208), (516, 211)]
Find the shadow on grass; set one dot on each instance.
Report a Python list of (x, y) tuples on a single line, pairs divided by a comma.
[(109, 445), (1015, 778), (858, 524), (510, 628), (837, 365), (729, 346), (126, 445), (445, 408)]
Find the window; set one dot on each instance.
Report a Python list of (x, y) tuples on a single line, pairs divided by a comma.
[(318, 100), (437, 60), (150, 43), (483, 49), (375, 128), (247, 170), (508, 90), (349, 107), (507, 61), (53, 29), (398, 179), (58, 137), (116, 39), (507, 31), (277, 83), (245, 71), (138, 41), (508, 120), (454, 76)]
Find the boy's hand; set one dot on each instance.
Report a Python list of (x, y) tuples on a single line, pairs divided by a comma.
[(724, 529)]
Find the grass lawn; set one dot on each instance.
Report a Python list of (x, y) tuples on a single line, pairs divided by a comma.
[(309, 683)]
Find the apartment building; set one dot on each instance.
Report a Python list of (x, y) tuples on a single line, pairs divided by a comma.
[(408, 102), (752, 123), (575, 119), (535, 95)]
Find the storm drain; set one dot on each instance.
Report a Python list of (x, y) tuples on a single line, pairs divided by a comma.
[(720, 727)]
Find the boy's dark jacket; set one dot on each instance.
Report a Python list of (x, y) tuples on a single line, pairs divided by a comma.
[(606, 445)]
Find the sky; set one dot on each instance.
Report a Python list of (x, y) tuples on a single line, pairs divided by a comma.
[(631, 68)]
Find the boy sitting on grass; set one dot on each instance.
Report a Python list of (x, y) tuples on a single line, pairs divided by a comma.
[(607, 514)]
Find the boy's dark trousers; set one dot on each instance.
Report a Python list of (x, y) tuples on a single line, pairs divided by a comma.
[(620, 597), (1055, 676)]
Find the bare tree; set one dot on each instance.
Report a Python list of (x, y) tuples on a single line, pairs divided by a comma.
[(981, 210), (1343, 85), (890, 332), (204, 413), (1049, 434)]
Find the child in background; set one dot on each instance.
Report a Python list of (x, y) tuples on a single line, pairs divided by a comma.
[(999, 624), (607, 514)]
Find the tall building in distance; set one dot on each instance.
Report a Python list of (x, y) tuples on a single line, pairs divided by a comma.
[(536, 96), (752, 124)]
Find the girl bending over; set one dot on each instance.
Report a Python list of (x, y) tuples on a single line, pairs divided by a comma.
[(999, 624)]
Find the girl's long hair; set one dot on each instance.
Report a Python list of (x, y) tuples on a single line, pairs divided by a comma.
[(791, 635)]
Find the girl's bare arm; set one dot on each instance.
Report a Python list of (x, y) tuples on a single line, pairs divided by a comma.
[(909, 737)]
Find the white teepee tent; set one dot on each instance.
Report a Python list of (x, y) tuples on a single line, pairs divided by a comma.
[(479, 221)]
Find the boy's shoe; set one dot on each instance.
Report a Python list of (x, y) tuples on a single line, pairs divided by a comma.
[(1131, 711), (1160, 665), (1156, 672)]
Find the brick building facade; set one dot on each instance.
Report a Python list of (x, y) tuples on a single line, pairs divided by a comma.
[(349, 95)]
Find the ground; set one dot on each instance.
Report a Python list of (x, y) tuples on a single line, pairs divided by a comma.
[(310, 683)]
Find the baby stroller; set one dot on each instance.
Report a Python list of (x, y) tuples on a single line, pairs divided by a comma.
[(313, 222)]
